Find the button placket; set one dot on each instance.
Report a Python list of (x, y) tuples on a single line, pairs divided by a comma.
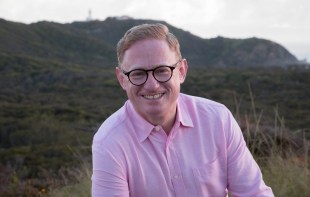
[(174, 168)]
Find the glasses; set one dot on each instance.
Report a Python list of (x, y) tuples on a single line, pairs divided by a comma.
[(161, 73)]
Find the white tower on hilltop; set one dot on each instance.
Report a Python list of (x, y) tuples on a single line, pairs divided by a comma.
[(89, 16)]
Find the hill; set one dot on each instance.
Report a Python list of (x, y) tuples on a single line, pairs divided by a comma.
[(215, 52), (53, 41), (93, 43)]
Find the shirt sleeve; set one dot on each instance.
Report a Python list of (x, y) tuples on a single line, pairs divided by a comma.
[(244, 175), (109, 176)]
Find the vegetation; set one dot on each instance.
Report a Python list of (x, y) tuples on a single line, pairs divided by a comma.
[(51, 110)]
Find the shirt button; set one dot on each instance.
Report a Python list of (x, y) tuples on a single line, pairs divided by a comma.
[(157, 128), (176, 176)]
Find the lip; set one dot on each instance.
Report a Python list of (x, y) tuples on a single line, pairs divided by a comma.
[(153, 96)]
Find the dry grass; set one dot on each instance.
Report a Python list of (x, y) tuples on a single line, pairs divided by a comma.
[(283, 155), (79, 183)]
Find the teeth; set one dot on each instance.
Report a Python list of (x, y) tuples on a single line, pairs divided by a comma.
[(156, 96)]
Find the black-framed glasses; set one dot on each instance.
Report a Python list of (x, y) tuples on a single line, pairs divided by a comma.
[(161, 73)]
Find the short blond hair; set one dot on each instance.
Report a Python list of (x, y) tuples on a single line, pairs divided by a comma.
[(147, 31)]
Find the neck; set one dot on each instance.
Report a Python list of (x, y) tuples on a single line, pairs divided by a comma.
[(166, 122)]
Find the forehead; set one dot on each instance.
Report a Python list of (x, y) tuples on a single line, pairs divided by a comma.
[(148, 53)]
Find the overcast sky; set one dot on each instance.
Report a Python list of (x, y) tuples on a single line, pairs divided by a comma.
[(286, 22)]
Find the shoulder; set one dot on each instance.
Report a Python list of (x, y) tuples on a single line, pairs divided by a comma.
[(202, 105), (113, 127), (206, 113), (211, 119)]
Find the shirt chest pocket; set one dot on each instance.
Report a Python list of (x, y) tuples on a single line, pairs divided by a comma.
[(211, 179)]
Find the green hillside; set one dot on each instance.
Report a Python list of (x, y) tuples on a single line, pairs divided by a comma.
[(54, 42), (93, 43), (223, 52)]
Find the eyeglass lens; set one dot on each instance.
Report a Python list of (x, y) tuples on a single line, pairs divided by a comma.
[(161, 74)]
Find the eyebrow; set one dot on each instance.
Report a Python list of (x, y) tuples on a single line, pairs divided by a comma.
[(151, 68)]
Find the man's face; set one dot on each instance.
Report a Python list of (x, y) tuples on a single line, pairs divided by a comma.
[(153, 99)]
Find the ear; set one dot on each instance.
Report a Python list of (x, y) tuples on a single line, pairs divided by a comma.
[(122, 79), (183, 70)]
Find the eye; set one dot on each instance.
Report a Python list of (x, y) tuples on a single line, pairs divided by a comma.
[(162, 70), (137, 74)]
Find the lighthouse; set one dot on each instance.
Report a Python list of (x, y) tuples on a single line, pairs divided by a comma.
[(89, 16)]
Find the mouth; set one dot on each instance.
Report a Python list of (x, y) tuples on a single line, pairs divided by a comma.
[(153, 97)]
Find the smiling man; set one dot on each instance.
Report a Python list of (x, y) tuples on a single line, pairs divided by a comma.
[(165, 143)]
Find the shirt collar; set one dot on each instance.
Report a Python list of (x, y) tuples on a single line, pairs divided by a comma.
[(143, 128), (183, 113)]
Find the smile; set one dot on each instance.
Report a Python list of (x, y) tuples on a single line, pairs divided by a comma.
[(152, 97)]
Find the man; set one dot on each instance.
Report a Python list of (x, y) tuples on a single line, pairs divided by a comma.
[(165, 143)]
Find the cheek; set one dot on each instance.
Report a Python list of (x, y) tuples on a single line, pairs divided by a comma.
[(176, 81), (131, 90), (174, 86)]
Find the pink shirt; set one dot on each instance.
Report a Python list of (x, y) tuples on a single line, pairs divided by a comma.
[(204, 155)]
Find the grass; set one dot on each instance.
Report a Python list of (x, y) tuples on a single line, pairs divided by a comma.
[(81, 188), (281, 154), (76, 183), (287, 177)]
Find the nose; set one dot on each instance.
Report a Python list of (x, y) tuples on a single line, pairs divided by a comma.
[(151, 82)]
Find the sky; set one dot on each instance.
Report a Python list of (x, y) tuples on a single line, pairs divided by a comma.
[(286, 22)]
